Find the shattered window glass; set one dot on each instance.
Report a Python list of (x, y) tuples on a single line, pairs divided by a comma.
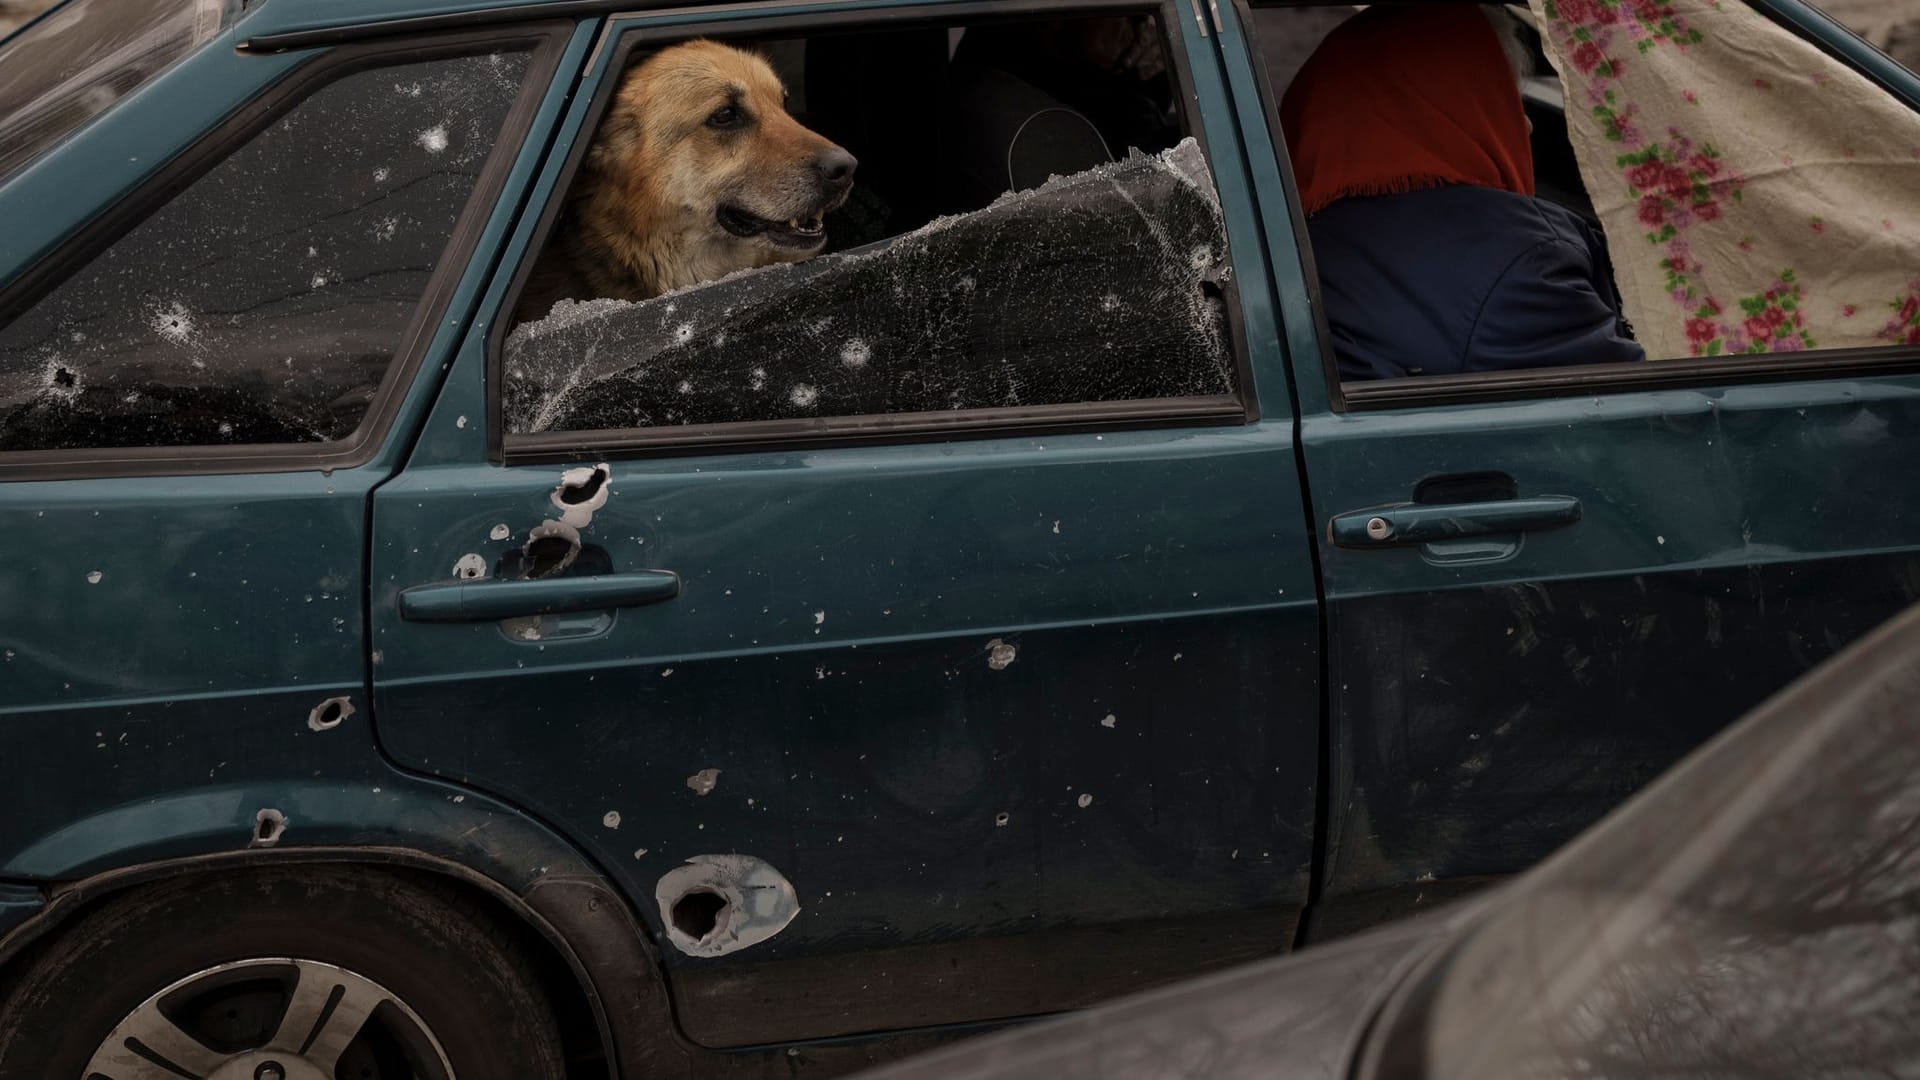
[(264, 303), (1102, 286)]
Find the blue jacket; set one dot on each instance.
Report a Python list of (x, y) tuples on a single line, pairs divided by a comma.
[(1453, 279)]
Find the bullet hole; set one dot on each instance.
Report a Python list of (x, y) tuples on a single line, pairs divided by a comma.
[(611, 820), (1002, 818), (549, 554), (328, 714), (551, 547), (697, 914), (268, 825), (62, 383), (1085, 801), (500, 532), (94, 576), (704, 781), (1108, 720), (470, 566), (573, 494), (175, 324), (1000, 654), (581, 492), (717, 904)]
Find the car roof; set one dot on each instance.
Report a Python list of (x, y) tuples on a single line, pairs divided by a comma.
[(279, 24)]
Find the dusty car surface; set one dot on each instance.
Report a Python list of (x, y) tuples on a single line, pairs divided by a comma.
[(1771, 935), (1007, 609)]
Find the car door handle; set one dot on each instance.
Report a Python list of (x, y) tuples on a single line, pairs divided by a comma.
[(1424, 523), (488, 599)]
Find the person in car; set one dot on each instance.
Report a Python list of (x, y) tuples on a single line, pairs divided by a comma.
[(1410, 148)]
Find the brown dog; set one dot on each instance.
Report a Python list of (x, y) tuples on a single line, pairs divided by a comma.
[(698, 171)]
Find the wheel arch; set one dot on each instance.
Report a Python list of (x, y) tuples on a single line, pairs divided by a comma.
[(564, 974), (581, 924)]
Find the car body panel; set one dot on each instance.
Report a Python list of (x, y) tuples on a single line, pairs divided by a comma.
[(1729, 541), (19, 904), (128, 658), (385, 809), (883, 649)]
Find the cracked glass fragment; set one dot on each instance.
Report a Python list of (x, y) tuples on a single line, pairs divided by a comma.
[(265, 302), (1101, 286)]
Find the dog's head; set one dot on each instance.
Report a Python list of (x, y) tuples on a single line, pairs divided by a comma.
[(699, 144)]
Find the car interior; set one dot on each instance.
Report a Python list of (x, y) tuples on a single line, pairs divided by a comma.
[(973, 112)]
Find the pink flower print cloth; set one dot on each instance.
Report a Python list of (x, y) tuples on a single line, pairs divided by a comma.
[(1758, 196)]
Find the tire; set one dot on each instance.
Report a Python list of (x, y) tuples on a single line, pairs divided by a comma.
[(404, 978)]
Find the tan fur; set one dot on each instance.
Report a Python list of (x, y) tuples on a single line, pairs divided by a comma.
[(643, 214)]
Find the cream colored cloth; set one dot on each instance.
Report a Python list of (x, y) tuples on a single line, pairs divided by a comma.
[(1757, 195)]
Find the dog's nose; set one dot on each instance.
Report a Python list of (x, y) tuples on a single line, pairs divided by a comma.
[(835, 166)]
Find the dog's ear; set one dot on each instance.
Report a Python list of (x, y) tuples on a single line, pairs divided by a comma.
[(619, 135)]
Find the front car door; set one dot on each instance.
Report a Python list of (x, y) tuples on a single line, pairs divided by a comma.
[(887, 714), (1545, 586)]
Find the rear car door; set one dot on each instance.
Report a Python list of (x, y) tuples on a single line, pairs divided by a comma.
[(1545, 586), (886, 719)]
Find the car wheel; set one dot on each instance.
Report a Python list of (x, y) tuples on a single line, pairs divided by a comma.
[(287, 973)]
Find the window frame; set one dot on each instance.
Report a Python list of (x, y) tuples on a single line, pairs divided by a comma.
[(545, 42), (1531, 384), (624, 33)]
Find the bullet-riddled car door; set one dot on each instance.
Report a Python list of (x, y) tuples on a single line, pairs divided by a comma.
[(887, 713)]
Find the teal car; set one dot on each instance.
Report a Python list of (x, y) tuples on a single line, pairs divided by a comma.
[(1006, 610)]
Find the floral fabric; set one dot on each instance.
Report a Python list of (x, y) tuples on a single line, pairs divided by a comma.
[(1758, 195)]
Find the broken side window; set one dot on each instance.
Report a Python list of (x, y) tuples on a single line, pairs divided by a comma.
[(1102, 286), (265, 302)]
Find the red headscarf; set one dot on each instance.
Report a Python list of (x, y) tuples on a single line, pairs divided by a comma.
[(1400, 98)]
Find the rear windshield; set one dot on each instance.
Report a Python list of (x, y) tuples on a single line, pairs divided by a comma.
[(75, 63)]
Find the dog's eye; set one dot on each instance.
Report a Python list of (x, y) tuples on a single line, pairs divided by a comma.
[(725, 116)]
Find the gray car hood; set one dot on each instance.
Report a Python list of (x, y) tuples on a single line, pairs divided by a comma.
[(1296, 1017)]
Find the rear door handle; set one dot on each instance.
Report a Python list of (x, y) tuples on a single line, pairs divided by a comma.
[(490, 599), (1425, 523)]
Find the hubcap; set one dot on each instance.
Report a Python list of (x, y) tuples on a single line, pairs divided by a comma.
[(272, 1019)]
